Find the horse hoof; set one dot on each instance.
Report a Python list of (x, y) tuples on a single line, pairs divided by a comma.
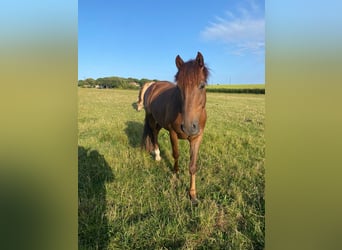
[(158, 158), (194, 202)]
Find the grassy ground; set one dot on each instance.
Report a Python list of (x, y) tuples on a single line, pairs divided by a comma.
[(129, 201)]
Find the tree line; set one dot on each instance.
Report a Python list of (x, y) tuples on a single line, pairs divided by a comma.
[(113, 82)]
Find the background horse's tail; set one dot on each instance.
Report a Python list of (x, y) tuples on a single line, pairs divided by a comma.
[(147, 136), (140, 101)]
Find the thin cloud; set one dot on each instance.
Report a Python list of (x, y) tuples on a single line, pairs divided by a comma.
[(243, 33)]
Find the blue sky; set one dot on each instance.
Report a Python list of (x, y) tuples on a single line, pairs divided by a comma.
[(140, 39)]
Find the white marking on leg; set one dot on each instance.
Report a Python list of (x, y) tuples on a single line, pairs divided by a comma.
[(157, 154)]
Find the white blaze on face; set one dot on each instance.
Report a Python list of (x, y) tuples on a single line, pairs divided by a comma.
[(157, 154)]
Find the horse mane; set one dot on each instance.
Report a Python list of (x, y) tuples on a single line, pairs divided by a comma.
[(189, 73)]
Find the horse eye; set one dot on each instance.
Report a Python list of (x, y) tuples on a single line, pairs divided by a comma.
[(202, 85)]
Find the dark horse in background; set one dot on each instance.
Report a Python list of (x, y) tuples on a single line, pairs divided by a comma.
[(179, 108)]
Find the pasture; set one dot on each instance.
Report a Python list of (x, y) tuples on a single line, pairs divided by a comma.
[(129, 201)]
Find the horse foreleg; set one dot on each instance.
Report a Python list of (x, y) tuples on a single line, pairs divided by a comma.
[(194, 147), (175, 153)]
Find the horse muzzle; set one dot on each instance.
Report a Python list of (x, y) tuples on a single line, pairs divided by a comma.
[(191, 128)]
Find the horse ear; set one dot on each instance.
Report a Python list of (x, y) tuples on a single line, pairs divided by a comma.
[(179, 62), (199, 59)]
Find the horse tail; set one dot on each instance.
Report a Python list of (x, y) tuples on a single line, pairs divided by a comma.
[(147, 136), (140, 101)]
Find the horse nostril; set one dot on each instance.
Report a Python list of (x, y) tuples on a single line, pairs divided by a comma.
[(194, 128), (182, 127)]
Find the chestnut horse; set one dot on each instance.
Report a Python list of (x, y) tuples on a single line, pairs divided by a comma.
[(180, 109)]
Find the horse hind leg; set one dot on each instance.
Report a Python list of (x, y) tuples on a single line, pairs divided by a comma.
[(150, 136), (156, 130), (157, 154), (147, 139)]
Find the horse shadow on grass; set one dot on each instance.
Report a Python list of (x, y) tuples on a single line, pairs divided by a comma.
[(134, 132), (93, 173)]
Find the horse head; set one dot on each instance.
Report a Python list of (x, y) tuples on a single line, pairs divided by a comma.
[(191, 80)]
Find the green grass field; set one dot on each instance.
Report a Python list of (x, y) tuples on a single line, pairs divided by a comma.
[(129, 201)]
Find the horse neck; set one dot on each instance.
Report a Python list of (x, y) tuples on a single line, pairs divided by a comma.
[(177, 98)]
